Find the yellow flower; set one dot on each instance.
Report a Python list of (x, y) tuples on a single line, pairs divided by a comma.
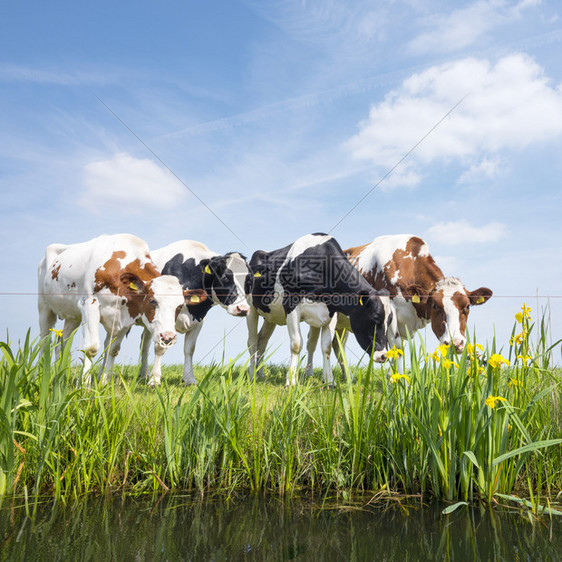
[(492, 401), (448, 363), (56, 332), (434, 356), (396, 377), (474, 350), (514, 382), (525, 313), (496, 360), (481, 371), (519, 338), (524, 358), (443, 348), (394, 353)]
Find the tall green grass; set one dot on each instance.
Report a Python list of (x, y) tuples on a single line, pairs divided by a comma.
[(460, 428)]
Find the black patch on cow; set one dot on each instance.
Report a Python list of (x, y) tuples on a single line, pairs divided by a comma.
[(263, 272)]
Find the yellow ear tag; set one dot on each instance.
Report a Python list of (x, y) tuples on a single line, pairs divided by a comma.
[(208, 270), (480, 300), (416, 299), (133, 286), (194, 299), (361, 301), (257, 274)]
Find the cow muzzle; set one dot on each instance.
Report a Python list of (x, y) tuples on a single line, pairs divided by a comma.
[(166, 339), (458, 343), (379, 356), (239, 309)]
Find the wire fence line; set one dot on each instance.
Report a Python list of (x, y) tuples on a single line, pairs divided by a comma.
[(306, 295)]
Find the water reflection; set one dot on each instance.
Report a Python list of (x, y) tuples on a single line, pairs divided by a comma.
[(180, 528)]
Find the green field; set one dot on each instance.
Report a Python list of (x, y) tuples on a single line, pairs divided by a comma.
[(455, 428)]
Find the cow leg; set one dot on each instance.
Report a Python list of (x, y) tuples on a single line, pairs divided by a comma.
[(112, 346), (252, 324), (326, 344), (47, 319), (295, 337), (400, 358), (264, 336), (68, 328), (311, 343), (188, 349), (338, 345), (145, 349), (156, 373), (90, 329)]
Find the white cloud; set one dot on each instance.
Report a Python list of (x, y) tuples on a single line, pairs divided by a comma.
[(508, 105), (130, 185), (488, 168), (455, 233), (463, 27)]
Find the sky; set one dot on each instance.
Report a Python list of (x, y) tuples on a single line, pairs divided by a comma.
[(245, 124)]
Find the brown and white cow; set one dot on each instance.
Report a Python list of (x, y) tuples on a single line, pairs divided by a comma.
[(421, 294), (109, 280), (402, 265)]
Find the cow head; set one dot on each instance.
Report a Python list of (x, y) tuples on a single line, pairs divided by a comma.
[(224, 277), (195, 303), (447, 307), (157, 303), (368, 321)]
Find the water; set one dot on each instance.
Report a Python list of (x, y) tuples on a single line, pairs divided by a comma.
[(180, 528)]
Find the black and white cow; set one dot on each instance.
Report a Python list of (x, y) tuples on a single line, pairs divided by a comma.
[(310, 281), (219, 280)]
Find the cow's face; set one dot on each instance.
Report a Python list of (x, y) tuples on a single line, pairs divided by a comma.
[(448, 307), (369, 323), (160, 301), (225, 277)]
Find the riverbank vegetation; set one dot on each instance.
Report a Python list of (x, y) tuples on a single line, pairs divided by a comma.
[(484, 425)]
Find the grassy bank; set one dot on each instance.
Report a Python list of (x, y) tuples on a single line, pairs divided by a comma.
[(457, 428)]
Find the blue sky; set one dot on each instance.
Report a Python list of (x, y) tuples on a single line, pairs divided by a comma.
[(281, 116)]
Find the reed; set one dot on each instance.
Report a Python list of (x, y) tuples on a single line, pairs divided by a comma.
[(463, 428)]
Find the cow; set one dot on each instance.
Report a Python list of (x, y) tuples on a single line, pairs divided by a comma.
[(311, 280), (421, 294), (110, 280), (219, 279)]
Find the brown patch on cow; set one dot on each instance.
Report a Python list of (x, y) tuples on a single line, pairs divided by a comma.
[(55, 272), (108, 275), (131, 281), (409, 268), (436, 313), (374, 277), (406, 268)]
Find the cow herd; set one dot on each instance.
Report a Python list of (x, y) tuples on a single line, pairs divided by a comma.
[(381, 292)]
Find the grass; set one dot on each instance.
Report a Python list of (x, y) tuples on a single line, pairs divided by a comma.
[(456, 428)]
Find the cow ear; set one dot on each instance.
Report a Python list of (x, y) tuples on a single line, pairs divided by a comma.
[(479, 296), (194, 297), (218, 265), (205, 267), (416, 294), (131, 285)]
